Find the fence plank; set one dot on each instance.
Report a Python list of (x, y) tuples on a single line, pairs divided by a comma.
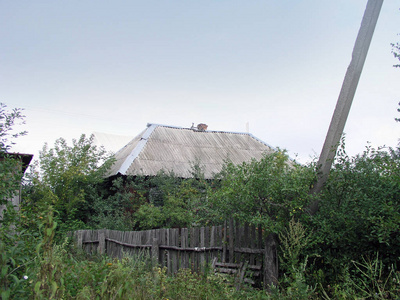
[(107, 242), (163, 256), (155, 249), (147, 241), (224, 241), (237, 242), (115, 246), (207, 244), (111, 245), (194, 243), (102, 242), (219, 242), (260, 244), (123, 248), (80, 238), (213, 237), (175, 253), (119, 238), (158, 237), (270, 261), (202, 245), (184, 244), (231, 242), (168, 252), (252, 243), (246, 239)]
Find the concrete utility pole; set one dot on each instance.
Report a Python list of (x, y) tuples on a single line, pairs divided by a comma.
[(346, 95)]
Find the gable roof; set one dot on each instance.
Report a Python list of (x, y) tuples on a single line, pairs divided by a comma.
[(177, 149)]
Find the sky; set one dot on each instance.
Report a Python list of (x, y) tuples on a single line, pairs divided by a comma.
[(274, 67)]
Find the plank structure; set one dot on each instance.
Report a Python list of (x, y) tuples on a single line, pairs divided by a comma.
[(191, 248)]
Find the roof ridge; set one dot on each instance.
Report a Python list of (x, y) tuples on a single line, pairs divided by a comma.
[(215, 131), (163, 125), (136, 151)]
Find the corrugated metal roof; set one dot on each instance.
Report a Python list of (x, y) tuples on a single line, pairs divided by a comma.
[(177, 149)]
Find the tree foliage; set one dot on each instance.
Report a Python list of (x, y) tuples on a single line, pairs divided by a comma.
[(15, 249), (161, 201), (267, 192), (67, 175), (360, 211), (8, 120), (10, 177)]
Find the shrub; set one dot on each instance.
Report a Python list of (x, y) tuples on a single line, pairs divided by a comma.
[(359, 215)]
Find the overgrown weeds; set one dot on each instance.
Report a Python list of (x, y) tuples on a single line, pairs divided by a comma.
[(368, 280)]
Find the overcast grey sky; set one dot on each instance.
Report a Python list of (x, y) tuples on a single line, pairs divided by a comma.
[(114, 66)]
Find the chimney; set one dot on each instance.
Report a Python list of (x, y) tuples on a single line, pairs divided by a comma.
[(202, 127)]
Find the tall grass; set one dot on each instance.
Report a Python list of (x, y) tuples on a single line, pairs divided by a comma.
[(62, 271), (86, 276)]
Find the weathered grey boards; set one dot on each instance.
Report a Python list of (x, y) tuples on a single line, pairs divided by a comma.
[(192, 248)]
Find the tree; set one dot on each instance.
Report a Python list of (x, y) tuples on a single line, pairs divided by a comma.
[(67, 176), (16, 249), (9, 178), (359, 213), (267, 192), (8, 119), (149, 202)]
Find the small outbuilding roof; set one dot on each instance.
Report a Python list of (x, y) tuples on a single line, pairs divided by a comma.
[(23, 157), (177, 149)]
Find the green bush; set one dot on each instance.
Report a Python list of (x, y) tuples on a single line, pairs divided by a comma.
[(66, 177), (17, 257), (359, 215), (162, 201), (268, 192)]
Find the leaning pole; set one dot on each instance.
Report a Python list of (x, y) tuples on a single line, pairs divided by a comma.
[(346, 96)]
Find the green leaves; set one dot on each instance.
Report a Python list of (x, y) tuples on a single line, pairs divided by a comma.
[(360, 210), (8, 119), (267, 192), (15, 244), (66, 177)]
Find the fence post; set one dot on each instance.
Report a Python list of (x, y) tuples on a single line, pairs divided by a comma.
[(155, 250), (270, 261), (102, 241)]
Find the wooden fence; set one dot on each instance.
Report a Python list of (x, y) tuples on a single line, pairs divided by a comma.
[(193, 248)]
